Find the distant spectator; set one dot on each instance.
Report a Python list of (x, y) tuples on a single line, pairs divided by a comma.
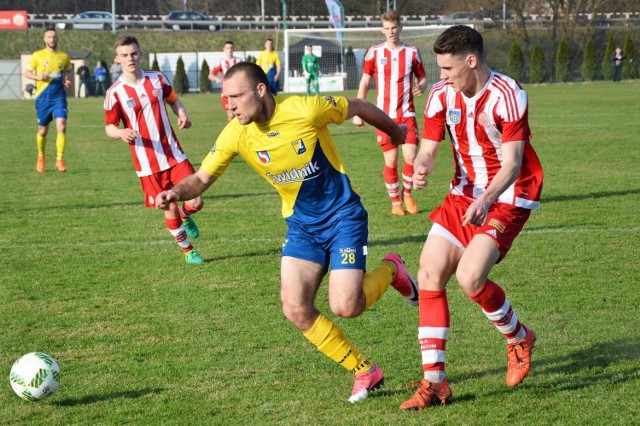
[(84, 74), (100, 76), (617, 58), (116, 71)]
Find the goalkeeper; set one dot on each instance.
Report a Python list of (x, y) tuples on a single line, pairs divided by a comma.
[(310, 70)]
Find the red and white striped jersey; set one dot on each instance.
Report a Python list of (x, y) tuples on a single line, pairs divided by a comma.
[(478, 127), (223, 65), (142, 108), (393, 71)]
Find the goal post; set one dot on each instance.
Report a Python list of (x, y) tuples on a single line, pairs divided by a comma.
[(341, 53)]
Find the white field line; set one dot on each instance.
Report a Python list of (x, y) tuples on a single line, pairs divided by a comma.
[(279, 240)]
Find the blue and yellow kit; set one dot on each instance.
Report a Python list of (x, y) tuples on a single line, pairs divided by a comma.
[(54, 64), (295, 153)]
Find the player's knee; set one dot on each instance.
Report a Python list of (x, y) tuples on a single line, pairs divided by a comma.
[(196, 203), (347, 308), (470, 279)]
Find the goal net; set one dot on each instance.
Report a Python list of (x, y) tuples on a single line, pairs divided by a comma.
[(341, 54)]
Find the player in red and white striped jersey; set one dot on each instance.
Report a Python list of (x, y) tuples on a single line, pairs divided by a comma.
[(221, 67), (394, 66), (496, 184), (138, 99)]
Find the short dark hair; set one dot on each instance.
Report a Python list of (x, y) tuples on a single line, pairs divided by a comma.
[(253, 72), (46, 30), (126, 40), (228, 42), (459, 40)]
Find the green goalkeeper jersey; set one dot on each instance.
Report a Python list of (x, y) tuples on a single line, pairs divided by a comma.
[(310, 63)]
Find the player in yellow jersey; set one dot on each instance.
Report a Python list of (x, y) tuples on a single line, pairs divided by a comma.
[(269, 61), (49, 68), (287, 142)]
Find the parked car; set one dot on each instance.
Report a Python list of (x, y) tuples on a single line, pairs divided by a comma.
[(92, 20), (459, 18), (189, 20)]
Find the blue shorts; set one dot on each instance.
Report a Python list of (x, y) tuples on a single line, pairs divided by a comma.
[(341, 244), (271, 78), (48, 109)]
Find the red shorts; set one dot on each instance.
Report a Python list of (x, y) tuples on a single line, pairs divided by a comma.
[(412, 134), (504, 222), (155, 183)]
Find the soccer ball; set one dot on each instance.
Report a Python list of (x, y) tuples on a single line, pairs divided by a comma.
[(35, 376)]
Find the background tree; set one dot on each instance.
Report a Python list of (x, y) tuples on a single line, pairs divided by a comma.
[(537, 68), (155, 66), (205, 83), (563, 62), (180, 80), (515, 65), (588, 68), (630, 66), (607, 72)]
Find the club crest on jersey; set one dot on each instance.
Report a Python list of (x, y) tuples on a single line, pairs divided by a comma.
[(454, 116), (263, 156), (131, 103), (383, 61), (299, 147), (483, 119)]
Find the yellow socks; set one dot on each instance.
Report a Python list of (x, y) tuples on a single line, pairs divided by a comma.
[(41, 141), (376, 282), (61, 141), (330, 340)]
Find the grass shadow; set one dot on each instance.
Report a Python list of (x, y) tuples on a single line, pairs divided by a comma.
[(92, 399)]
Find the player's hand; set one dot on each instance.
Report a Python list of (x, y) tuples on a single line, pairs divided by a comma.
[(165, 198), (400, 139), (476, 213), (67, 83), (306, 74), (417, 89), (184, 122), (128, 135), (358, 122)]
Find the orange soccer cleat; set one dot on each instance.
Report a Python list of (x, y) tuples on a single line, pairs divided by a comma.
[(397, 210), (40, 165), (428, 394), (519, 358), (60, 165), (410, 204)]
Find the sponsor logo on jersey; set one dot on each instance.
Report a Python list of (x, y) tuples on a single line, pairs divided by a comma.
[(264, 157), (307, 172), (347, 250), (273, 134), (470, 115), (497, 224), (156, 93), (299, 147), (492, 232), (331, 100), (213, 148), (131, 103), (454, 116)]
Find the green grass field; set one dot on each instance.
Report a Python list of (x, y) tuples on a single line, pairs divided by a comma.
[(93, 278)]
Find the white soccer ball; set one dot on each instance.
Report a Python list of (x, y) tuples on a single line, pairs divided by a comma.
[(35, 376)]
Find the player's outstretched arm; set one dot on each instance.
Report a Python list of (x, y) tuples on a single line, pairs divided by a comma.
[(190, 188), (377, 118)]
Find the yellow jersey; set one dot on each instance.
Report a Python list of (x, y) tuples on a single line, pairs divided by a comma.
[(295, 153), (54, 65)]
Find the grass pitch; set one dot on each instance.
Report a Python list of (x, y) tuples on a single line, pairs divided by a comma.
[(93, 278)]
